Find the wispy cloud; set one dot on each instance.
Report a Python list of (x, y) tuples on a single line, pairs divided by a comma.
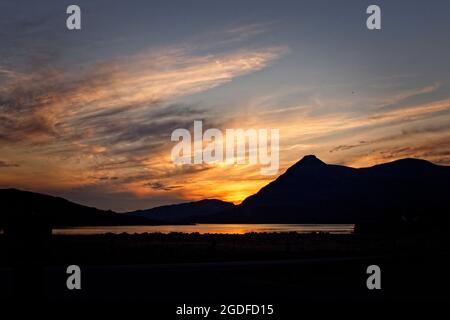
[(5, 164), (45, 104), (160, 186), (109, 123)]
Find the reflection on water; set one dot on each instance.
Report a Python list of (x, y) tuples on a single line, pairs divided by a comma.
[(212, 228)]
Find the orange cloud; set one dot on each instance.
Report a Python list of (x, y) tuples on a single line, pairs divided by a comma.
[(102, 120)]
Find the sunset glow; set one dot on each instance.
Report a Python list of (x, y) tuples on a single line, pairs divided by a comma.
[(95, 127)]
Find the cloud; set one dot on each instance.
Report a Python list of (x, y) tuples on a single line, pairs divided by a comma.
[(106, 126), (104, 178), (436, 150), (406, 95), (161, 186), (408, 132), (4, 164), (50, 103)]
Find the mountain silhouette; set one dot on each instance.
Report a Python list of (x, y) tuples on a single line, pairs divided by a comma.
[(407, 191), (188, 212), (24, 208)]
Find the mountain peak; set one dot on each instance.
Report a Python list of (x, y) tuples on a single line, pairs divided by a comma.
[(310, 160)]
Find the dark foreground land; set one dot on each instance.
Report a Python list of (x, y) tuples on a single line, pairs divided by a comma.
[(287, 270)]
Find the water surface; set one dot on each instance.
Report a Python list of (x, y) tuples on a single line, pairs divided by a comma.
[(211, 228)]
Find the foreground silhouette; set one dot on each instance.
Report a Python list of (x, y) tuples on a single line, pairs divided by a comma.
[(27, 219), (400, 210)]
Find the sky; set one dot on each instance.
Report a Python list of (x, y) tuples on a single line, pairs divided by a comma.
[(88, 114)]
